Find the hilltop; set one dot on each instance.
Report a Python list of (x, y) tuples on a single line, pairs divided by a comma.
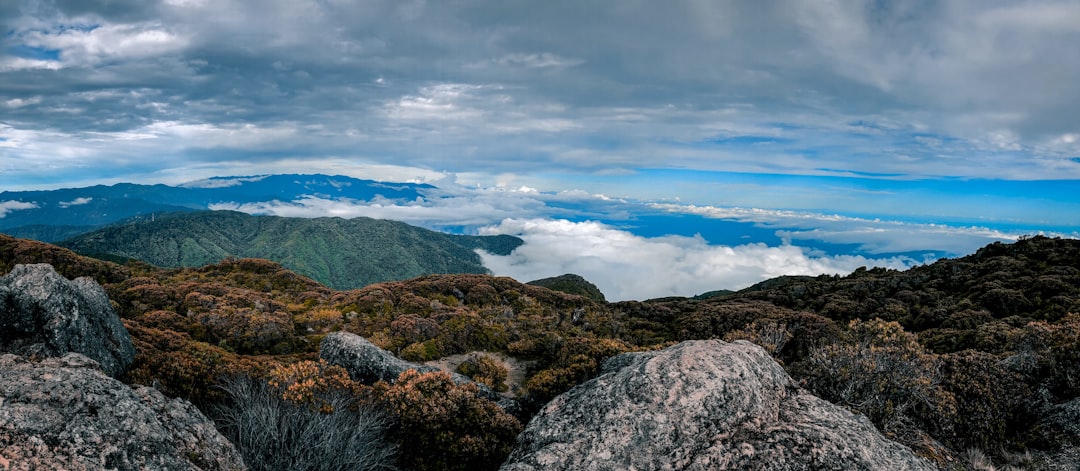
[(572, 284), (340, 253)]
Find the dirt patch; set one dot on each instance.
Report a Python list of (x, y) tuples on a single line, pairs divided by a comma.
[(516, 369)]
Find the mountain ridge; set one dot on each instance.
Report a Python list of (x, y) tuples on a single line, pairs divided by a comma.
[(341, 253), (100, 205)]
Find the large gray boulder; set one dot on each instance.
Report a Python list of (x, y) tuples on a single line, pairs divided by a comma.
[(65, 413), (367, 363), (701, 405), (43, 314)]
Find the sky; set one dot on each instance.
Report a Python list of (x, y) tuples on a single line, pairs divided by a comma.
[(917, 113)]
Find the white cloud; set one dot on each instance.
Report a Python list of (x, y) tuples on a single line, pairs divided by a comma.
[(625, 266), (442, 102), (75, 202), (9, 206), (537, 61), (443, 207), (82, 46), (1061, 17), (9, 64), (874, 236), (222, 182), (21, 102)]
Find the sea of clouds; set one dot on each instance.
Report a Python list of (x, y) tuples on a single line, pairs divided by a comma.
[(596, 237)]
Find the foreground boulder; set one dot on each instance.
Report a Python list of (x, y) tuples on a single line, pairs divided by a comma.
[(701, 405), (43, 314), (65, 413)]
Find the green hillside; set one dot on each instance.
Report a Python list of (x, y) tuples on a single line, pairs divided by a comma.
[(341, 253), (572, 284)]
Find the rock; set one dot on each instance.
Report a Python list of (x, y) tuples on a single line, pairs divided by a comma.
[(1059, 429), (43, 314), (1061, 423), (367, 363), (65, 413), (701, 405)]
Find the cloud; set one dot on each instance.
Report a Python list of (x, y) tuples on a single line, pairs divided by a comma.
[(449, 206), (82, 46), (537, 61), (625, 266), (577, 94), (873, 236), (626, 255), (221, 182), (9, 206), (75, 202)]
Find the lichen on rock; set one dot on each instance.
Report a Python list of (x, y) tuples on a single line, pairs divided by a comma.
[(43, 314), (701, 405), (65, 413)]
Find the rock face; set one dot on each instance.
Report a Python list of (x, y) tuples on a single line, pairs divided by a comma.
[(701, 405), (43, 314), (65, 413)]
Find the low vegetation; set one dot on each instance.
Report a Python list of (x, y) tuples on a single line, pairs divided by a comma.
[(273, 431), (959, 355)]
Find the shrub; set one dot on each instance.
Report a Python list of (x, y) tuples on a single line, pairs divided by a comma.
[(411, 329), (180, 366), (989, 401), (320, 320), (766, 333), (314, 384), (446, 426), (423, 351), (575, 361), (485, 370), (1056, 347), (881, 371), (547, 384), (274, 433)]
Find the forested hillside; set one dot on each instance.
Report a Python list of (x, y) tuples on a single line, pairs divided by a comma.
[(341, 253)]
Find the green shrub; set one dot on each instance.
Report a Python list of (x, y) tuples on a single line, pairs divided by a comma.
[(485, 370)]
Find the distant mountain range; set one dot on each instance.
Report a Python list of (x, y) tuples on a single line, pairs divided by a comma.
[(340, 253), (55, 215)]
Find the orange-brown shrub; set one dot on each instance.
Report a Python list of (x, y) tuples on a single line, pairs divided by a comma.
[(446, 426), (310, 383), (486, 370)]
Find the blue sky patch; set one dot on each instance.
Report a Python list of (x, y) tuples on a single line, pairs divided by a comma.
[(36, 53)]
